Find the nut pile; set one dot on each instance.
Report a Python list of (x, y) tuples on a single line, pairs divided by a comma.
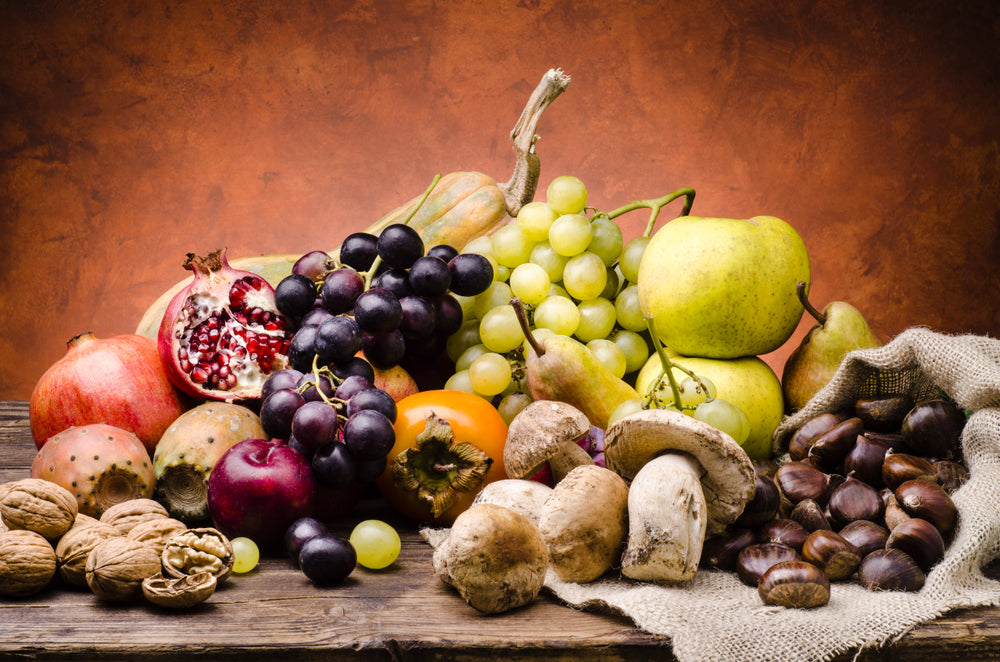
[(866, 493), (134, 550)]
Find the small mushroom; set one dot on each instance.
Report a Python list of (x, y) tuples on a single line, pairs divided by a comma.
[(688, 481), (520, 495), (546, 432)]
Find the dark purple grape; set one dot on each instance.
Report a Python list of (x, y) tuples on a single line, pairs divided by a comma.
[(333, 466), (300, 447), (419, 317), (359, 250), (286, 378), (430, 276), (426, 349), (327, 559), (354, 366), (314, 424), (295, 295), (443, 251), (313, 265), (367, 471), (377, 310), (307, 386), (373, 398), (449, 315), (300, 349), (384, 350), (277, 411), (315, 317), (340, 290), (350, 385), (399, 245), (337, 339), (471, 274), (396, 281), (369, 435), (299, 532)]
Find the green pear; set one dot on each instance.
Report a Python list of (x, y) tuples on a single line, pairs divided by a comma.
[(723, 288), (747, 382), (841, 328)]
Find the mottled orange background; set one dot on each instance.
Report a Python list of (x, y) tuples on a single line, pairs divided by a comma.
[(134, 132)]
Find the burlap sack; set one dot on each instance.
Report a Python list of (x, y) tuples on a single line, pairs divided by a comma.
[(717, 618)]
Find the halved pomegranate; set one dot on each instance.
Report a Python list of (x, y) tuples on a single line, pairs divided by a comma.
[(222, 335)]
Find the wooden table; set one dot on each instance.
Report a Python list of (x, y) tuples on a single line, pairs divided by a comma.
[(402, 613)]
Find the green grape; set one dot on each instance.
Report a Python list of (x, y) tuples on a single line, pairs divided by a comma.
[(585, 276), (610, 290), (597, 319), (376, 544), (484, 247), (540, 334), (466, 336), (467, 303), (610, 355), (606, 239), (512, 404), (499, 329), (460, 382), (566, 194), (570, 234), (245, 554), (633, 346), (490, 374), (545, 256), (692, 394), (535, 219), (630, 406), (530, 283), (501, 273), (497, 294), (466, 358), (557, 290), (628, 310), (725, 416), (558, 314), (511, 246), (631, 256)]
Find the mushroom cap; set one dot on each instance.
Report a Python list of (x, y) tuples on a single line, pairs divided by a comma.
[(539, 432), (728, 480)]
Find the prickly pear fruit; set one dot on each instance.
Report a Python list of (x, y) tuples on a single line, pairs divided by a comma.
[(190, 447), (100, 464)]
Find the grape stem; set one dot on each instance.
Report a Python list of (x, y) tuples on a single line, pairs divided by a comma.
[(654, 205), (668, 367)]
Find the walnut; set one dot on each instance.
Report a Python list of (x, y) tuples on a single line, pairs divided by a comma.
[(27, 563), (156, 532), (125, 515), (75, 546), (117, 566), (38, 505), (198, 550), (179, 592)]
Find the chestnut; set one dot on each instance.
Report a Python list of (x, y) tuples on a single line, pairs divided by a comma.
[(864, 460), (784, 531), (929, 501), (810, 515), (951, 475), (921, 540), (798, 445), (755, 559), (934, 428), (828, 450), (831, 553), (720, 551), (795, 584), (897, 468), (890, 570), (885, 413), (894, 513), (854, 500), (762, 507), (866, 535), (894, 440), (800, 480)]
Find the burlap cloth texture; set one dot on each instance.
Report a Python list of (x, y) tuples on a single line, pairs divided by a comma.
[(716, 617)]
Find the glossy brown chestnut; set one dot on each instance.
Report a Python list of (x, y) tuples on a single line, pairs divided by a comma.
[(798, 445), (800, 480), (794, 584), (921, 540), (864, 461), (929, 501), (897, 468), (951, 475), (721, 551), (828, 450), (810, 515), (894, 513), (854, 500), (893, 439), (890, 570), (762, 507), (784, 531), (831, 553), (884, 413), (934, 428), (755, 559), (867, 536)]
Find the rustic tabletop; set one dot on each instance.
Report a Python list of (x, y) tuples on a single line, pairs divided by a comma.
[(401, 613)]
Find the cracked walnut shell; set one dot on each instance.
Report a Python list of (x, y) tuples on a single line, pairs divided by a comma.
[(198, 550), (27, 563), (179, 592), (38, 505), (117, 566)]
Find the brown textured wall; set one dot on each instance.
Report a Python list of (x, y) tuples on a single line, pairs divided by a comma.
[(134, 132)]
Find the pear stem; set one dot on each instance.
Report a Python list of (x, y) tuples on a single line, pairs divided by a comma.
[(522, 319), (654, 206), (800, 290)]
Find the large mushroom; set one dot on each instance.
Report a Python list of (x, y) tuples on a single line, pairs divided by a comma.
[(688, 480), (546, 434)]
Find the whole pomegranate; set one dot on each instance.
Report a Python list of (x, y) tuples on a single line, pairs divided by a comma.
[(222, 335), (119, 381)]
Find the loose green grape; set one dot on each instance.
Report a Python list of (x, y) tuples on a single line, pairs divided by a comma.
[(497, 294), (631, 256), (628, 310), (535, 219), (512, 404), (558, 314), (489, 373), (724, 416), (546, 257), (466, 358), (606, 239), (570, 234), (610, 355), (499, 329), (246, 555), (566, 194), (376, 544), (511, 246), (597, 319), (585, 276), (466, 336), (633, 346), (530, 283)]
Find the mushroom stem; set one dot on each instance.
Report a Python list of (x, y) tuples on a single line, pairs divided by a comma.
[(569, 455), (668, 515)]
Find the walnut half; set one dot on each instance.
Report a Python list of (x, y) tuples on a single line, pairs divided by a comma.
[(179, 592), (198, 550)]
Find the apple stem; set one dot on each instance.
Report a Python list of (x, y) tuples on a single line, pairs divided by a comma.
[(800, 290), (522, 319), (654, 206)]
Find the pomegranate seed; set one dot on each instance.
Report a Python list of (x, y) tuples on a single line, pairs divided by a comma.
[(198, 376)]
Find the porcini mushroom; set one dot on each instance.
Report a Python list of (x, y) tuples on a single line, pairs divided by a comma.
[(546, 432), (519, 494), (688, 480)]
